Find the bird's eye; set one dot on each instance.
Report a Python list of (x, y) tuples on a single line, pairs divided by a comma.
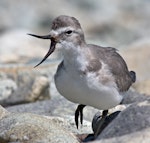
[(68, 32)]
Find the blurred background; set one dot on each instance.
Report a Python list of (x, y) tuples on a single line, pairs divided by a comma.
[(123, 24)]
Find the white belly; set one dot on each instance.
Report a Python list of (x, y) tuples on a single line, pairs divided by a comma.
[(84, 89)]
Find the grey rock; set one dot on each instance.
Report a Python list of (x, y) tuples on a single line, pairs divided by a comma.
[(27, 127), (52, 107), (131, 125), (47, 108), (28, 92), (3, 75), (40, 107), (3, 112), (38, 88), (132, 96), (7, 87), (137, 57), (85, 128), (32, 85)]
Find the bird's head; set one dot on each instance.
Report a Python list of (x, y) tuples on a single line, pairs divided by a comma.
[(66, 31)]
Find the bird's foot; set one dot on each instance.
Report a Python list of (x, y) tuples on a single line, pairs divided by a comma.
[(79, 112), (102, 121), (95, 125)]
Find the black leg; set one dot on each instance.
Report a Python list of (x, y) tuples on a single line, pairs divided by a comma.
[(101, 122), (104, 114), (79, 112)]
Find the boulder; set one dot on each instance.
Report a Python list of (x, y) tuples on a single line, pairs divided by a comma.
[(27, 127), (131, 125), (23, 84), (52, 107)]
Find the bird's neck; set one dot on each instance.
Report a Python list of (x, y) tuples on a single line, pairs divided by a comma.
[(74, 56)]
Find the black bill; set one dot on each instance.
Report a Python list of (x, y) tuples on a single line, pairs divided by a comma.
[(51, 49)]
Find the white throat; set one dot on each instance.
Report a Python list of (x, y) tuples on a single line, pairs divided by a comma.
[(74, 56)]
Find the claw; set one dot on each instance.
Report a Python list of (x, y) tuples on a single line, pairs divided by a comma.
[(79, 111)]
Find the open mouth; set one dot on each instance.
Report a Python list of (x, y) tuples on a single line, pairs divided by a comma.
[(51, 49)]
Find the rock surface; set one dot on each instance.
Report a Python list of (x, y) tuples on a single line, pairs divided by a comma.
[(59, 107), (137, 57), (27, 127), (23, 84), (3, 112), (131, 125), (7, 87)]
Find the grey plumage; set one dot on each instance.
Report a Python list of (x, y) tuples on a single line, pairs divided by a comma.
[(116, 65), (64, 21)]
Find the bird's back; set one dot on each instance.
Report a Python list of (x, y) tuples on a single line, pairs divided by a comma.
[(117, 66)]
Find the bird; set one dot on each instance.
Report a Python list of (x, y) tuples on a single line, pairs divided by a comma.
[(89, 75)]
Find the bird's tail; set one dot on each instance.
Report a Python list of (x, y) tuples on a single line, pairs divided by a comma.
[(133, 76)]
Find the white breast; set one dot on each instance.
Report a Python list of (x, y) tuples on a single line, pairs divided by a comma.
[(86, 89)]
